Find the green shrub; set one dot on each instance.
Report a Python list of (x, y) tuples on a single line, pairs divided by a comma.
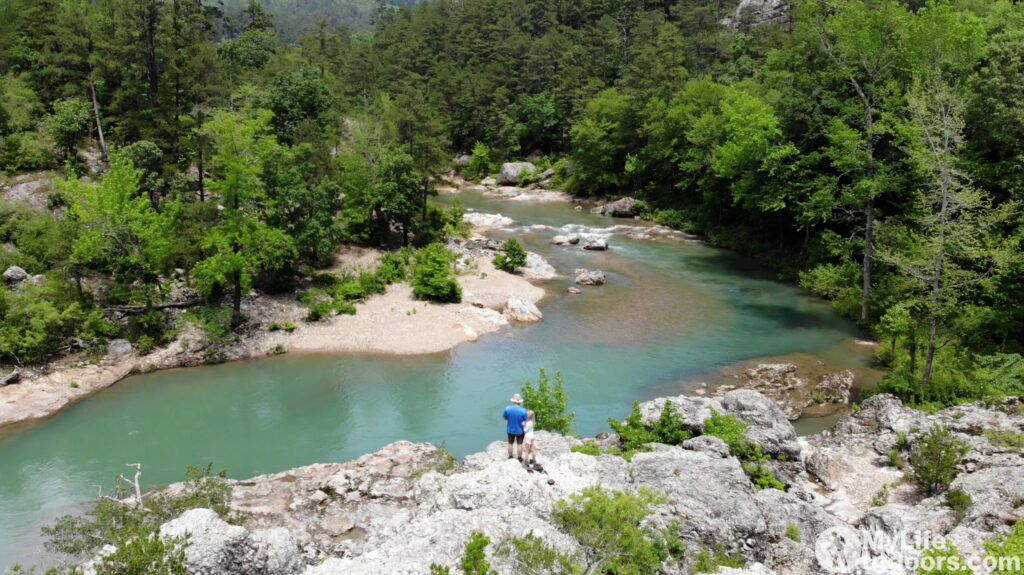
[(959, 501), (549, 403), (731, 431), (536, 556), (481, 164), (633, 433), (372, 283), (392, 266), (881, 497), (896, 460), (761, 477), (610, 527), (934, 460), (289, 326), (320, 309), (432, 275), (115, 523), (1009, 547), (1011, 439), (514, 256), (707, 561), (274, 326), (344, 307), (474, 559), (436, 569), (587, 449), (793, 532), (670, 429)]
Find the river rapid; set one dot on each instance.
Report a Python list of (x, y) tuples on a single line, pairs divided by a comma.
[(674, 312)]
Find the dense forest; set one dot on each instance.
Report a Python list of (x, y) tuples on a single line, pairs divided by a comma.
[(872, 150)]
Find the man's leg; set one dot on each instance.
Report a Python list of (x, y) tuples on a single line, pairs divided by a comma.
[(511, 440), (519, 442)]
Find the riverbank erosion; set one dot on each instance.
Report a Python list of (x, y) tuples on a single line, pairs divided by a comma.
[(390, 323), (406, 506)]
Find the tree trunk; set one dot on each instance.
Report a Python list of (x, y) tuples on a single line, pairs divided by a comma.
[(96, 112), (931, 351), (202, 189), (865, 303), (236, 312)]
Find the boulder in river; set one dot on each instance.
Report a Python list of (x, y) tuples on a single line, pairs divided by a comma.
[(835, 387), (619, 209), (521, 310), (511, 172), (585, 277), (596, 244), (563, 240), (15, 275), (573, 290), (537, 268)]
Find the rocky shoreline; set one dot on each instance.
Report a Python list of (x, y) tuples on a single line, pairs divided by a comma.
[(408, 505)]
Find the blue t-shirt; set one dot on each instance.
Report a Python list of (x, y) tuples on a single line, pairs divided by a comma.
[(515, 415)]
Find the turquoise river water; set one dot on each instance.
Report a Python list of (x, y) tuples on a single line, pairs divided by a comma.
[(672, 313)]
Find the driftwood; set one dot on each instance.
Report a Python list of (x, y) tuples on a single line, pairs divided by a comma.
[(13, 377), (139, 308)]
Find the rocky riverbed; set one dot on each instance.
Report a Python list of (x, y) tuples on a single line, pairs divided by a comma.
[(407, 505)]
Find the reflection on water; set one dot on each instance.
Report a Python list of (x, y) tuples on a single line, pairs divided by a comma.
[(671, 311)]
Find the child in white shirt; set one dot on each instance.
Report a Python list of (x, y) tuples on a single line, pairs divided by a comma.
[(529, 447)]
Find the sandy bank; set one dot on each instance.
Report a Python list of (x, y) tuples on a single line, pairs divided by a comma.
[(393, 322)]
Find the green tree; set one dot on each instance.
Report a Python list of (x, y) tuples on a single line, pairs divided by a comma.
[(241, 244), (432, 275), (299, 100), (513, 256), (68, 125), (397, 189), (861, 39), (119, 231), (549, 403)]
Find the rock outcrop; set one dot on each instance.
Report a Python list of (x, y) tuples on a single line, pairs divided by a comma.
[(511, 172), (783, 384), (219, 548), (15, 275), (537, 268), (483, 222), (620, 208), (408, 505), (521, 310)]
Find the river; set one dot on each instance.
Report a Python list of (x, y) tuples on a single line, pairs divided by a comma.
[(673, 312)]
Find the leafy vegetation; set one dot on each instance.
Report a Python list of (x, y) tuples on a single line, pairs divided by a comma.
[(432, 275), (513, 256), (549, 403), (934, 460), (130, 525)]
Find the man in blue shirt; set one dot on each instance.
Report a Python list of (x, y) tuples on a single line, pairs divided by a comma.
[(515, 415)]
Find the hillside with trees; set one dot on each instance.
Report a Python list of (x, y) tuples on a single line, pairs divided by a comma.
[(870, 149)]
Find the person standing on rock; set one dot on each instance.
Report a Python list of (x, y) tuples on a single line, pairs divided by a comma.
[(529, 445), (515, 415)]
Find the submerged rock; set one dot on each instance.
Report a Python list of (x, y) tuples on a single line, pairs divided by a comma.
[(521, 310), (835, 387)]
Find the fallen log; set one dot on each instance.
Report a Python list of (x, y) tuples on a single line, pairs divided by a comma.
[(13, 377), (138, 308)]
